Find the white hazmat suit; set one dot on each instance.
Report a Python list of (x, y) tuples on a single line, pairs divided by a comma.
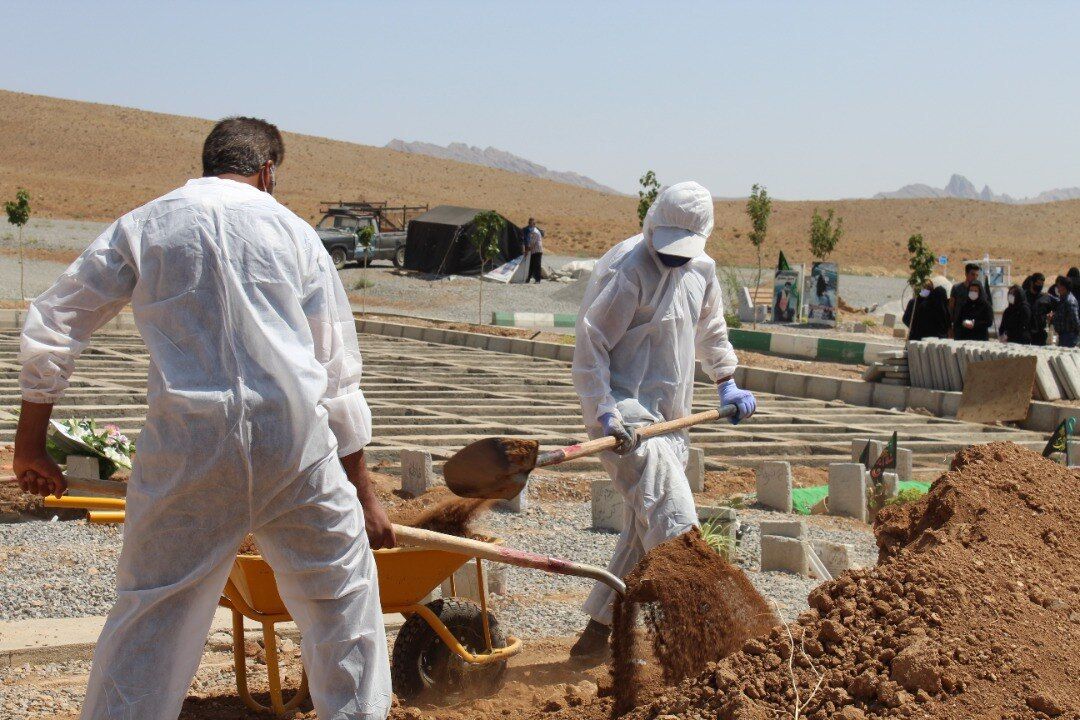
[(253, 395), (640, 328)]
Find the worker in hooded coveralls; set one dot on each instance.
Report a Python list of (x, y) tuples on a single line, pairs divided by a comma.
[(653, 305), (255, 423)]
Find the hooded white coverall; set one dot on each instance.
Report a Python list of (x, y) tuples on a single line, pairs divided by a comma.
[(640, 327), (253, 395)]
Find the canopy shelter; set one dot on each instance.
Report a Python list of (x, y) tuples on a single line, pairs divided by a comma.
[(438, 242)]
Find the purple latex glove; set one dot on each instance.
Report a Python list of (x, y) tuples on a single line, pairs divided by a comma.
[(730, 394), (626, 436)]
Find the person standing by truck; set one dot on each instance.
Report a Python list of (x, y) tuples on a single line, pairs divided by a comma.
[(533, 238)]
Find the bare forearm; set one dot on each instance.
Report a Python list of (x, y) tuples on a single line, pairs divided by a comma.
[(33, 426), (356, 470)]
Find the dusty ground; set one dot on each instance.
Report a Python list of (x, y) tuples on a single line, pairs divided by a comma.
[(161, 151)]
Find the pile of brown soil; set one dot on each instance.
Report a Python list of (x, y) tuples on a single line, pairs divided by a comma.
[(972, 612), (697, 606)]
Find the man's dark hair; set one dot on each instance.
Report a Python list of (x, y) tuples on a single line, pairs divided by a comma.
[(241, 145), (1038, 278), (531, 221), (1073, 272), (1064, 282), (969, 267)]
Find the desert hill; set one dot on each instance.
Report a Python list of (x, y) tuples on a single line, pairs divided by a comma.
[(495, 158), (91, 161)]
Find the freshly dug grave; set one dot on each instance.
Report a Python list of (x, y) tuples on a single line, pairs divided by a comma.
[(972, 612), (697, 607)]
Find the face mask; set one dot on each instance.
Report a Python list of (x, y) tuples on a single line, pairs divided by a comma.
[(924, 293), (1012, 299), (672, 261), (973, 295)]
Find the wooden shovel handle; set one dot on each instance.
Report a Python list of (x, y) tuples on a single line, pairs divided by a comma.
[(111, 488), (591, 447), (508, 556)]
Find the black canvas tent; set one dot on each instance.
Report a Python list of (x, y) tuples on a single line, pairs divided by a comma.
[(438, 242)]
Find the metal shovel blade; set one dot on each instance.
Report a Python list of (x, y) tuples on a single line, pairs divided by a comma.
[(495, 468)]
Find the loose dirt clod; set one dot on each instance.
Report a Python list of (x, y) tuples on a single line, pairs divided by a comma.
[(697, 606), (486, 468), (451, 516), (973, 611)]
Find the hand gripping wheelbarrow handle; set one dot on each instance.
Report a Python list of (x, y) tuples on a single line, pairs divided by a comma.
[(505, 555)]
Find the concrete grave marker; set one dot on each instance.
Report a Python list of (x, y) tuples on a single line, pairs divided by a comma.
[(847, 490), (607, 506), (773, 480), (417, 477), (695, 470)]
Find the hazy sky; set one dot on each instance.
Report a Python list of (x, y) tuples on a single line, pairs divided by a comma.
[(813, 99)]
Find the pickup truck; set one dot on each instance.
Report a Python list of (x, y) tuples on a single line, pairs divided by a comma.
[(341, 226)]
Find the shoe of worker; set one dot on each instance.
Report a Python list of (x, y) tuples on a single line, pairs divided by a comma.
[(593, 641)]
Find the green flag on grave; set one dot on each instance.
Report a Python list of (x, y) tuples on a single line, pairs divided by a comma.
[(1059, 441), (782, 263), (885, 461)]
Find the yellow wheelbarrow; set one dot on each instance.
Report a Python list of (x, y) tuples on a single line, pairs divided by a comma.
[(450, 645)]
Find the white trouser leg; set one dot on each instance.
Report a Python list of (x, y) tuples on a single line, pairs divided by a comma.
[(326, 574), (172, 570), (659, 506)]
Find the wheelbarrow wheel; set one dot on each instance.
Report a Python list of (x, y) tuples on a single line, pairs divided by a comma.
[(422, 662)]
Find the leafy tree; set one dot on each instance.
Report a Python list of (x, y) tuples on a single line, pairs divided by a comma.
[(758, 207), (364, 238), (650, 188), (824, 235), (921, 265), (18, 212), (487, 230)]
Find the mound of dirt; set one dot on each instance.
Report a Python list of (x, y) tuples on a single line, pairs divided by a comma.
[(972, 612)]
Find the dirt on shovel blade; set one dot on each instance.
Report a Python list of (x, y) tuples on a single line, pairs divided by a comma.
[(489, 468)]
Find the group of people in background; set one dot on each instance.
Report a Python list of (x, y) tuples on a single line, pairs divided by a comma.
[(966, 312)]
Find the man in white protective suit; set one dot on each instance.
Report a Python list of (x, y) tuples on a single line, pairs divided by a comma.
[(255, 423), (653, 305)]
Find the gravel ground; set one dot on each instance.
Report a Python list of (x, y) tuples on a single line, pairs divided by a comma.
[(39, 691), (57, 569), (67, 569)]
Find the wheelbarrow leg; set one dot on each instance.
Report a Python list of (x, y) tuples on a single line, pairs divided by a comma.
[(240, 663)]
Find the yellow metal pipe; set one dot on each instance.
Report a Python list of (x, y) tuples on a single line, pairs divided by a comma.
[(102, 517), (88, 503)]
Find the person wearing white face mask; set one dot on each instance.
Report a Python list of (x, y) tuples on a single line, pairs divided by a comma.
[(974, 316), (255, 423), (1016, 320), (927, 314), (653, 304)]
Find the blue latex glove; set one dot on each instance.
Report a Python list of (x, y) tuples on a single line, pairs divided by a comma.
[(730, 394), (626, 436)]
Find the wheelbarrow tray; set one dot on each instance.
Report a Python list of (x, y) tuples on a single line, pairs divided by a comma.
[(406, 576)]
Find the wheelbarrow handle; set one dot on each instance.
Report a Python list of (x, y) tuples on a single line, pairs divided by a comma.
[(508, 556)]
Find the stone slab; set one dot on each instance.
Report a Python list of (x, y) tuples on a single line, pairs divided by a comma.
[(783, 528), (417, 476), (847, 490), (607, 506), (695, 470), (836, 557), (784, 554), (774, 483), (905, 463)]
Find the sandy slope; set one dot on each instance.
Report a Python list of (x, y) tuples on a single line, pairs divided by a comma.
[(83, 160)]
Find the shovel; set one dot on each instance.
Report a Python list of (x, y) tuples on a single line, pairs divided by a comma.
[(498, 467)]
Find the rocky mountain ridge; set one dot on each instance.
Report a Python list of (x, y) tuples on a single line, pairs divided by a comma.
[(961, 188)]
